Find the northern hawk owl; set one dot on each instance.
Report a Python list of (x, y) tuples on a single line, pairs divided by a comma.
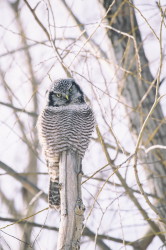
[(66, 123)]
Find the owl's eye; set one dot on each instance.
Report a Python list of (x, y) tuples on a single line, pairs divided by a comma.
[(70, 90), (58, 95)]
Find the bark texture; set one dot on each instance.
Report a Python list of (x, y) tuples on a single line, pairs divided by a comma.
[(122, 17), (72, 208)]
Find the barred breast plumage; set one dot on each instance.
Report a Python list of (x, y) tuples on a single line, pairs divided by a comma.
[(67, 126)]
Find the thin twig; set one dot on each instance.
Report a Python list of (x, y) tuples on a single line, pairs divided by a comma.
[(129, 192), (156, 101), (66, 69), (16, 222)]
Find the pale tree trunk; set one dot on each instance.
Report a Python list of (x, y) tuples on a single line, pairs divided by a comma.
[(72, 208), (31, 143), (122, 18)]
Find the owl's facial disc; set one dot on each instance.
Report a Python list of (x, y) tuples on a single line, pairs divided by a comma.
[(65, 92)]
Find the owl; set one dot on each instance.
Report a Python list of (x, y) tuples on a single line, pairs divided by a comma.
[(66, 123)]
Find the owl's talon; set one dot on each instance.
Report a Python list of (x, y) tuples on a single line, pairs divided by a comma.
[(79, 208), (60, 186)]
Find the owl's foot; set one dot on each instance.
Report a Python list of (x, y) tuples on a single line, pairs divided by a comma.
[(55, 207), (79, 208)]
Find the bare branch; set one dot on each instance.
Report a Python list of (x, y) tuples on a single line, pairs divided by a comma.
[(66, 69), (18, 109), (26, 183), (129, 192)]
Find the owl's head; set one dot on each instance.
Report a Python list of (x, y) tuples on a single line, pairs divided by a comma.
[(64, 92)]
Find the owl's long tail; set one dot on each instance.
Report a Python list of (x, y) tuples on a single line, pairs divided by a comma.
[(54, 194)]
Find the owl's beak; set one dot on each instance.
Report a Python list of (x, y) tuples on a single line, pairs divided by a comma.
[(67, 97)]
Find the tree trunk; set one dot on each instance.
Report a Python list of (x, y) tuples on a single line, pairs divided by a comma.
[(72, 208), (32, 160), (133, 89)]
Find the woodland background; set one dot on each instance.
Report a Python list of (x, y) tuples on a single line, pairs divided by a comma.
[(116, 51)]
